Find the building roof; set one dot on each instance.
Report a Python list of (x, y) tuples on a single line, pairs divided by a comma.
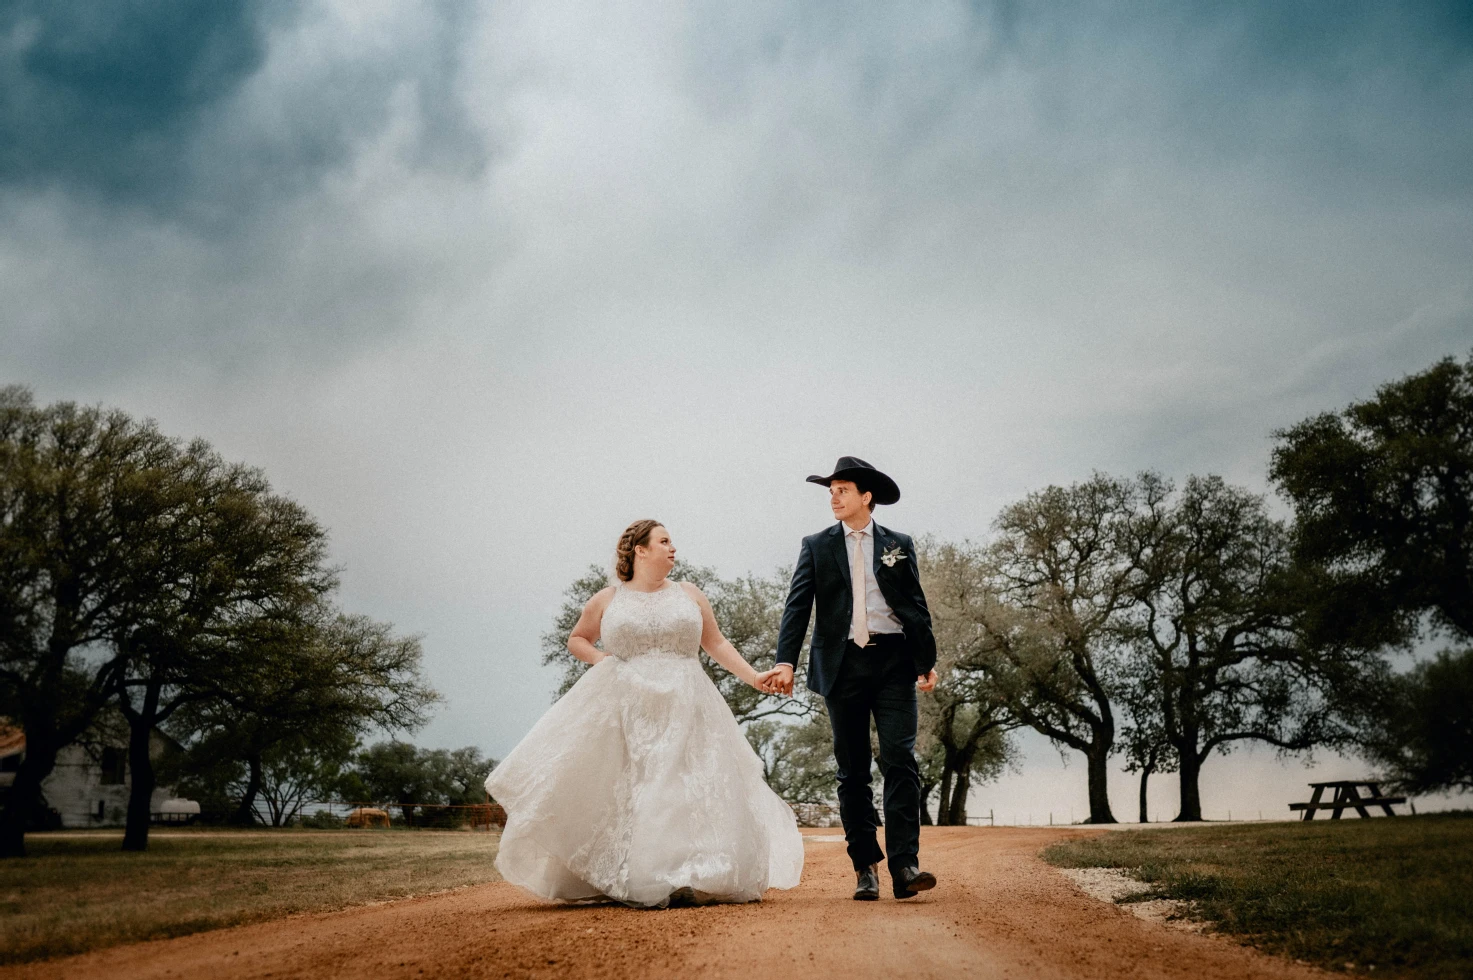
[(13, 739)]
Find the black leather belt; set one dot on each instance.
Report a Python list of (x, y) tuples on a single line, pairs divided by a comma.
[(877, 640)]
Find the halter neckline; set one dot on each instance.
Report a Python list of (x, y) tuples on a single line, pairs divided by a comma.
[(664, 587)]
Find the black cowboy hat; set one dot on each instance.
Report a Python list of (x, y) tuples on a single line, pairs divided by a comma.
[(864, 476)]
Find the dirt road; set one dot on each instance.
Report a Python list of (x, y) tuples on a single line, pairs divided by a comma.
[(998, 912)]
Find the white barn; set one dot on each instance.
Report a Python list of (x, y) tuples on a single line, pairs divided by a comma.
[(89, 786)]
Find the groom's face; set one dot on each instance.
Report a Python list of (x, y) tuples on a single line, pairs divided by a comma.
[(846, 501)]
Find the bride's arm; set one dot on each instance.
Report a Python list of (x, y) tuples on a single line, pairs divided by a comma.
[(581, 641), (718, 647)]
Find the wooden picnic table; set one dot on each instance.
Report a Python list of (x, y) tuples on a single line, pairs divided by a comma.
[(1347, 797)]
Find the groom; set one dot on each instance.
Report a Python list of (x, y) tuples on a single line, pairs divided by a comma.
[(872, 649)]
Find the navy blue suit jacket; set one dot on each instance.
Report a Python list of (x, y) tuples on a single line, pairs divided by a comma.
[(821, 578)]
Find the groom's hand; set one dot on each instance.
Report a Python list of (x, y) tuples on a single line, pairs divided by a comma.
[(926, 681), (781, 679)]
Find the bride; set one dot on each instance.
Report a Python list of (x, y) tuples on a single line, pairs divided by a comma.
[(637, 785)]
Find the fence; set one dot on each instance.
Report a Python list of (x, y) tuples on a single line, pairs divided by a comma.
[(478, 816), (487, 816), (816, 815), (823, 815), (1057, 818)]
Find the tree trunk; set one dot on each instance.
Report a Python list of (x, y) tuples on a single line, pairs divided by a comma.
[(1146, 771), (25, 793), (1191, 796), (956, 811), (140, 765), (245, 813), (941, 804), (140, 791), (926, 790), (1099, 792)]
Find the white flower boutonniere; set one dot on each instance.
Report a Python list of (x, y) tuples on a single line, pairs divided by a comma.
[(892, 556)]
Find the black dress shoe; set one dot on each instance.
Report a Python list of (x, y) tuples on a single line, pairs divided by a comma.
[(868, 889), (911, 881)]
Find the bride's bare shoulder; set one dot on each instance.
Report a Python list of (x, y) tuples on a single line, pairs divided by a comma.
[(601, 598), (692, 591)]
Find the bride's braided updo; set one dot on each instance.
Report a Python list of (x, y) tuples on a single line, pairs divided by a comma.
[(634, 536)]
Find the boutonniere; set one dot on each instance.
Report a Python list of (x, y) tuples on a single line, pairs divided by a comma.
[(892, 556)]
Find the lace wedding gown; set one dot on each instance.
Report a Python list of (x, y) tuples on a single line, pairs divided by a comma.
[(638, 785)]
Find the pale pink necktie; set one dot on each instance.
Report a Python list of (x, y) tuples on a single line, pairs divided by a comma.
[(856, 577)]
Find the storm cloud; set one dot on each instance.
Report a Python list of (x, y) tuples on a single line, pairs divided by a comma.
[(181, 108), (481, 282)]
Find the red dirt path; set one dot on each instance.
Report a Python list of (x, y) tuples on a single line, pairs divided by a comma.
[(998, 912)]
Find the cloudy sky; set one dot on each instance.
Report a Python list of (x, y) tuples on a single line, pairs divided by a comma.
[(479, 283)]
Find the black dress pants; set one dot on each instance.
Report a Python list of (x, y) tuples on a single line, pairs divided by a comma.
[(880, 681)]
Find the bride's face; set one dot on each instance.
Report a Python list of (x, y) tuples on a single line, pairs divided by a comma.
[(659, 553)]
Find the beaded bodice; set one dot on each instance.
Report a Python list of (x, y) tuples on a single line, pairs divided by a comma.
[(664, 621)]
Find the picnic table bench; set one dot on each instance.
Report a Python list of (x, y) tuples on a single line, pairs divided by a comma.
[(1347, 797)]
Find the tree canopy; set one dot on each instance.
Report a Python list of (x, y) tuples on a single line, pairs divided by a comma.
[(91, 507), (1383, 499), (1061, 568), (411, 777), (964, 722), (328, 679), (1421, 730), (140, 571), (247, 561), (1215, 653)]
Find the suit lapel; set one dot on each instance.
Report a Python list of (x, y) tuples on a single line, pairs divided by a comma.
[(841, 556), (883, 575)]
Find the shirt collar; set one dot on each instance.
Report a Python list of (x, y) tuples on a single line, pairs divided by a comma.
[(867, 529)]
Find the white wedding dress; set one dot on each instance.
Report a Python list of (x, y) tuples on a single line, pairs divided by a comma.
[(638, 785)]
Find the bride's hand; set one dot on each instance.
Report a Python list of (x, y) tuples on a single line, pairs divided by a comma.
[(778, 680)]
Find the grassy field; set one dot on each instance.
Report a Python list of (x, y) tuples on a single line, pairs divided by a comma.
[(1395, 895), (77, 892)]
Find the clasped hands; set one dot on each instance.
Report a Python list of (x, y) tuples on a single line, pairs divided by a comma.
[(779, 680)]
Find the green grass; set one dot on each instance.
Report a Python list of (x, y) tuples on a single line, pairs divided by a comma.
[(78, 892), (1396, 894)]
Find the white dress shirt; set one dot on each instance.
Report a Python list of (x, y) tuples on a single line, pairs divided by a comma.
[(879, 617)]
